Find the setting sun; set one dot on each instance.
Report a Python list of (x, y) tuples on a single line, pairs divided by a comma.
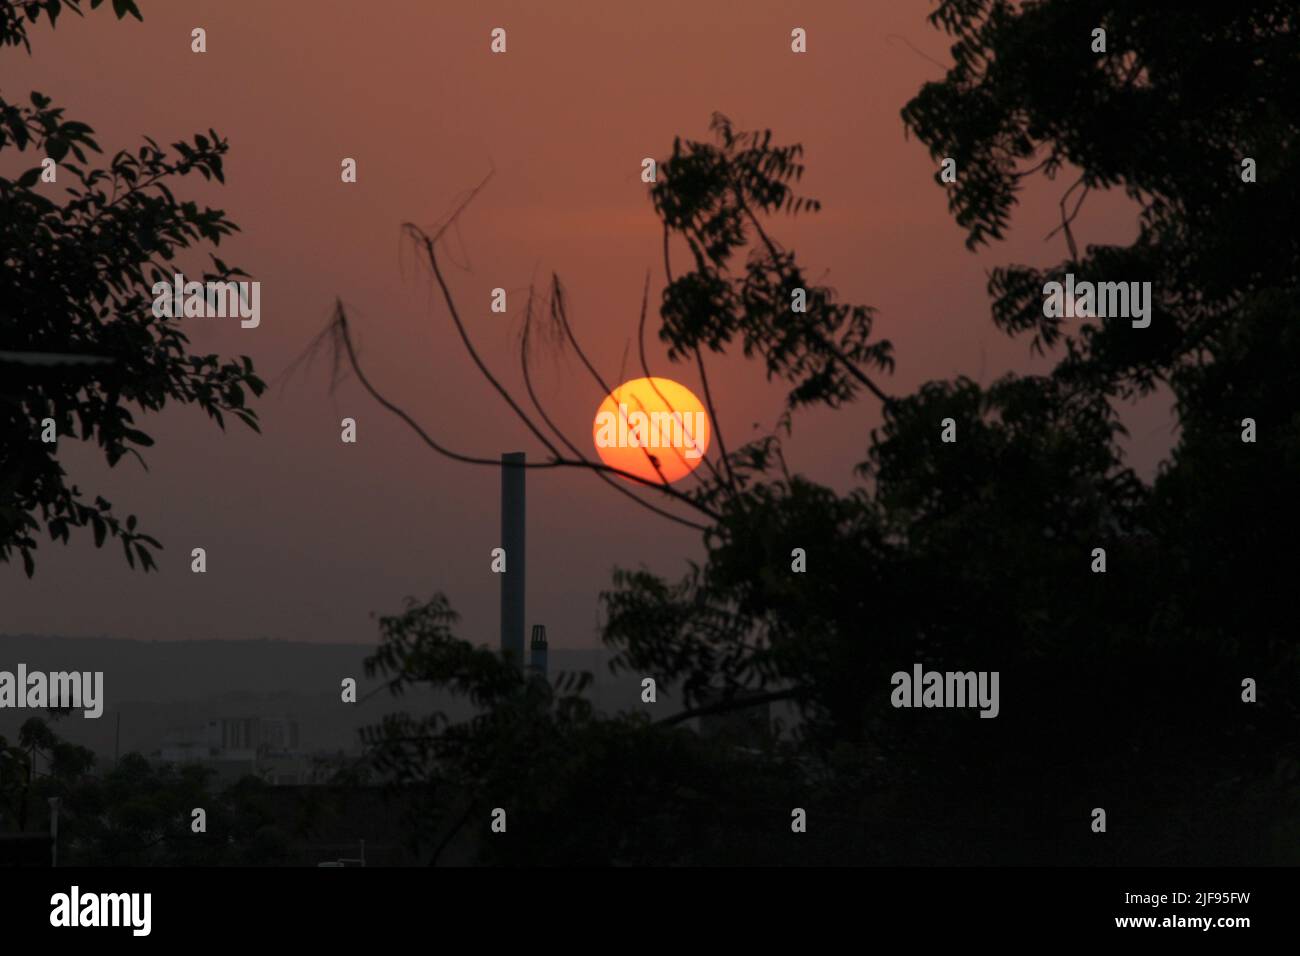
[(652, 428)]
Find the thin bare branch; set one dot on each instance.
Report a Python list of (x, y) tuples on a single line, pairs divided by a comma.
[(645, 370), (428, 243), (340, 332), (344, 333), (925, 56), (735, 703), (532, 395), (1024, 173), (717, 426), (559, 311), (1068, 219)]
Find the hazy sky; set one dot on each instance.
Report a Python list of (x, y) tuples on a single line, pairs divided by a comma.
[(307, 536)]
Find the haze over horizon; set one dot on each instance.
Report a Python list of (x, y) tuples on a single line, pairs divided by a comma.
[(307, 538)]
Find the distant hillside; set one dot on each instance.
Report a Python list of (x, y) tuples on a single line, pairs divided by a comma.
[(162, 671), (161, 687)]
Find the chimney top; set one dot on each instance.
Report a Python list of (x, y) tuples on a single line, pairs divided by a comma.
[(539, 635)]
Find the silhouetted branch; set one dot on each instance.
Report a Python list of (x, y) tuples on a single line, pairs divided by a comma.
[(427, 241), (451, 834), (645, 370), (338, 335), (340, 330), (1066, 220), (921, 54), (528, 385), (52, 358), (560, 314), (849, 365), (708, 398), (735, 703)]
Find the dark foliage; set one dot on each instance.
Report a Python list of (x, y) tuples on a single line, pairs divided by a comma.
[(79, 343)]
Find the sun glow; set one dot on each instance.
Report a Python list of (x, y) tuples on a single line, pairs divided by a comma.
[(652, 428)]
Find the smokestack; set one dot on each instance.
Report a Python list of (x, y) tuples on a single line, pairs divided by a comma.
[(513, 513), (538, 648)]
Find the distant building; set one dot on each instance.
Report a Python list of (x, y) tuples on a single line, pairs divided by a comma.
[(278, 733), (232, 735), (236, 747), (252, 735)]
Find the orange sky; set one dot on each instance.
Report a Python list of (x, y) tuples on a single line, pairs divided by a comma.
[(307, 536)]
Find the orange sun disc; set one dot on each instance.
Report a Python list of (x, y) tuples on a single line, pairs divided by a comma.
[(652, 428)]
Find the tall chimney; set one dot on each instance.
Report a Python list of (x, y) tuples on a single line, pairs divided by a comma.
[(539, 651), (513, 513)]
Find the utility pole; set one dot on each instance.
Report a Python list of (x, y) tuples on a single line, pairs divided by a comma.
[(54, 831)]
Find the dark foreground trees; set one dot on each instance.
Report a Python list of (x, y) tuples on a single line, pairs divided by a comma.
[(1121, 690), (134, 812)]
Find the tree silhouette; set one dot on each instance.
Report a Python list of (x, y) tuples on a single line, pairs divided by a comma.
[(79, 343), (1120, 689)]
